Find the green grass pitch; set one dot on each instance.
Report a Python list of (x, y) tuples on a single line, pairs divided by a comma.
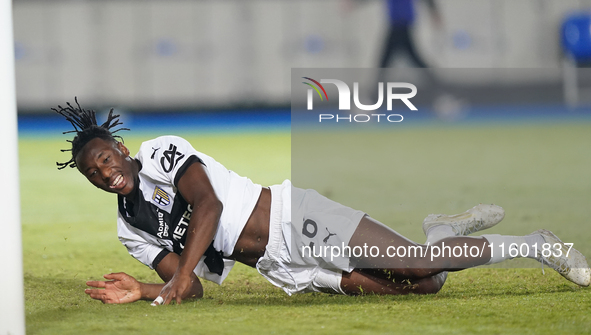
[(539, 173)]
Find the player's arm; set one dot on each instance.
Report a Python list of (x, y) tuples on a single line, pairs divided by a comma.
[(196, 189), (123, 288), (166, 269)]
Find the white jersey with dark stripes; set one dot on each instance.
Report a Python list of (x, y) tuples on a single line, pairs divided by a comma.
[(155, 222)]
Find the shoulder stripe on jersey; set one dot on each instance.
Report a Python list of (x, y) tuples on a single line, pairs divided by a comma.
[(181, 171)]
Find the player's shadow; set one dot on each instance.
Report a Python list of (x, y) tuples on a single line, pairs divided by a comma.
[(449, 295), (474, 283)]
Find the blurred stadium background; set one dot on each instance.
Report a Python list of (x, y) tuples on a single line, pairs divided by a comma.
[(234, 54), (194, 68)]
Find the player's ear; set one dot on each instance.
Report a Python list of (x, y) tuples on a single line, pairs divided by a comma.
[(123, 148)]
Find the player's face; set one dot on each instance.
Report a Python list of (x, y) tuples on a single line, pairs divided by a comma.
[(107, 165)]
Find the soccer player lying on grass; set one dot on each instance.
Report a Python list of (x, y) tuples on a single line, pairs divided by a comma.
[(185, 215)]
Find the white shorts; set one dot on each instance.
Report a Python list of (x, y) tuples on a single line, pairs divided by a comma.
[(301, 218)]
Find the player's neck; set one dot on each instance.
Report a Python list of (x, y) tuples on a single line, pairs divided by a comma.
[(137, 166)]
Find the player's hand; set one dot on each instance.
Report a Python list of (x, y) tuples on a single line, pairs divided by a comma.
[(122, 289), (175, 289)]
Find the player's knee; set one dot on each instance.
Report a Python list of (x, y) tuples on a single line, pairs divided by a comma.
[(430, 285)]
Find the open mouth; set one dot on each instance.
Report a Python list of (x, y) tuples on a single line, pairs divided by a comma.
[(118, 183)]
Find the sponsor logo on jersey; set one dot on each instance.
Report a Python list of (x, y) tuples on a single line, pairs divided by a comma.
[(161, 197), (170, 158), (162, 226), (181, 228)]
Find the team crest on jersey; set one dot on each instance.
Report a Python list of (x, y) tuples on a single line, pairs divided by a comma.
[(161, 197)]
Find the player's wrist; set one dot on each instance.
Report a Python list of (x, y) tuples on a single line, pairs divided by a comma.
[(184, 272), (142, 290), (146, 292), (184, 269)]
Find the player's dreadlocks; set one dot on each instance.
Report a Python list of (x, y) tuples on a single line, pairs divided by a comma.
[(86, 129)]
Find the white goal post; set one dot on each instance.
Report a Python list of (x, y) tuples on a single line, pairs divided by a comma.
[(12, 307)]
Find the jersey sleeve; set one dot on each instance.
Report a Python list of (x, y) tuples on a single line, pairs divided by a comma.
[(149, 254), (144, 248), (138, 247), (166, 158)]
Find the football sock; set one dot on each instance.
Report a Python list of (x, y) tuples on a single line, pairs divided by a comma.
[(508, 247), (439, 232), (435, 234)]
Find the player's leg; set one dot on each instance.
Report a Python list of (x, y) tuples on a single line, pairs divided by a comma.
[(371, 282), (439, 226), (461, 252), (545, 247), (541, 245), (436, 227), (376, 246)]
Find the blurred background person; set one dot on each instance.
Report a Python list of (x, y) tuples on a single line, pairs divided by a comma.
[(399, 39), (401, 18)]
